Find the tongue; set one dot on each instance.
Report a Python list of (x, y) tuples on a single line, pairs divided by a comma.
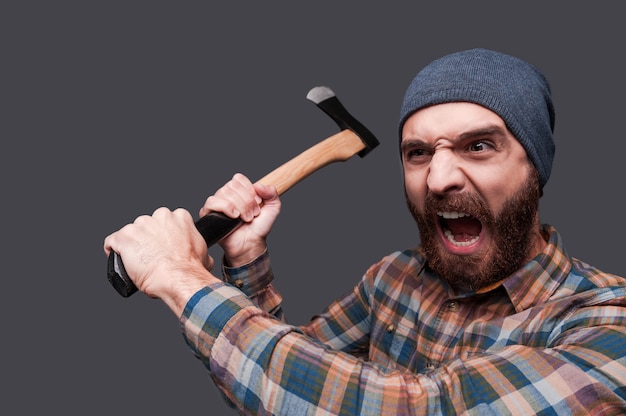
[(467, 226)]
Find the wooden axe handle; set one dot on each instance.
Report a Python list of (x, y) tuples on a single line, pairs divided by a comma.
[(337, 148)]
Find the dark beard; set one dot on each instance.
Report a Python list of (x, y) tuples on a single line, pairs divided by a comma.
[(512, 230)]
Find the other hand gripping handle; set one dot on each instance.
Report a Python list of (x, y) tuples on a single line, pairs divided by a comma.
[(213, 227)]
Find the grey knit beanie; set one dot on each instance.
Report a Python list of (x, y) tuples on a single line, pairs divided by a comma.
[(510, 87)]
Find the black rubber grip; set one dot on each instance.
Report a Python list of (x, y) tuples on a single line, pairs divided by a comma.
[(213, 227)]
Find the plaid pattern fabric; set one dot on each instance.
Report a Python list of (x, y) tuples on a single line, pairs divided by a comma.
[(550, 340)]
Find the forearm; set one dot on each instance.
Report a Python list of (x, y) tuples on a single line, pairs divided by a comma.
[(291, 372), (266, 358), (182, 285), (242, 346)]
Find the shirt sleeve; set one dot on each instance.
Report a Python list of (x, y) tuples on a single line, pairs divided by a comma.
[(255, 281), (264, 366), (578, 367)]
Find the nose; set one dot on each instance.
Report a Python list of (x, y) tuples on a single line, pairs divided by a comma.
[(444, 173)]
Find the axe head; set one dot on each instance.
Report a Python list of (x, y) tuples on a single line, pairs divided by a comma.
[(326, 99)]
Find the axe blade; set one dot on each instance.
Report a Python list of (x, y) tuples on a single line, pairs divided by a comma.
[(327, 101)]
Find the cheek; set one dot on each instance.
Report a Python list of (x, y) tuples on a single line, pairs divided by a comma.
[(415, 189), (497, 188)]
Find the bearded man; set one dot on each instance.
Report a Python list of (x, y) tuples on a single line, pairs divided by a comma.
[(488, 315)]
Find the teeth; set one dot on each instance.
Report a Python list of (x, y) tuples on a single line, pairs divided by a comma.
[(452, 215), (451, 239)]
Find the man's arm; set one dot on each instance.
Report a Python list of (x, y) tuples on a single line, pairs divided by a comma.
[(267, 366)]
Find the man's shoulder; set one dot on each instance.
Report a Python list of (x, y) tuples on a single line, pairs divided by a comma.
[(595, 286), (595, 276)]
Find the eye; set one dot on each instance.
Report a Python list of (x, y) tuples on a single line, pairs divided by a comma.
[(416, 154), (479, 146)]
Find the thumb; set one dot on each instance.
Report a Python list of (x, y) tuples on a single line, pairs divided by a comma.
[(268, 193)]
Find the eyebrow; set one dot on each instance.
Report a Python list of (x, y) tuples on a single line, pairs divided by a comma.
[(413, 143), (489, 130)]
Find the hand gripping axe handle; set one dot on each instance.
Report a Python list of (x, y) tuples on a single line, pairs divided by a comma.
[(353, 138)]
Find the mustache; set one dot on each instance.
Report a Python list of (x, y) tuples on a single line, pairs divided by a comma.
[(467, 203)]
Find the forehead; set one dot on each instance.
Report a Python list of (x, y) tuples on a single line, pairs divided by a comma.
[(450, 120)]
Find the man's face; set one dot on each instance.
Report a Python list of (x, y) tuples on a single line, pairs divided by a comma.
[(472, 191)]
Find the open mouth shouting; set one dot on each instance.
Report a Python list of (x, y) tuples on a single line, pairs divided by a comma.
[(460, 232)]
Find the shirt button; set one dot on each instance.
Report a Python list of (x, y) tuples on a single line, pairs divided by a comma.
[(391, 328), (453, 306), (430, 366), (239, 283)]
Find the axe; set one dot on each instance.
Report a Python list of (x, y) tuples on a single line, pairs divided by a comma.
[(353, 138)]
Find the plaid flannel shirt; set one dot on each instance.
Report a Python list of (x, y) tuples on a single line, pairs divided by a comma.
[(550, 340)]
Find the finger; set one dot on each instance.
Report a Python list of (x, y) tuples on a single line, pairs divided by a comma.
[(217, 204), (113, 241), (242, 180), (224, 200), (237, 198), (158, 213), (247, 196), (246, 189), (108, 245), (184, 216), (265, 192)]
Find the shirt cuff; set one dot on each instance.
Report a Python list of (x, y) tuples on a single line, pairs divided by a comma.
[(251, 278)]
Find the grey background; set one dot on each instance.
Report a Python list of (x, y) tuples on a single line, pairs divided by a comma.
[(112, 109)]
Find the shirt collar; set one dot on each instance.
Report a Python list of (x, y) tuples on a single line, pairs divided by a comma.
[(538, 279)]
